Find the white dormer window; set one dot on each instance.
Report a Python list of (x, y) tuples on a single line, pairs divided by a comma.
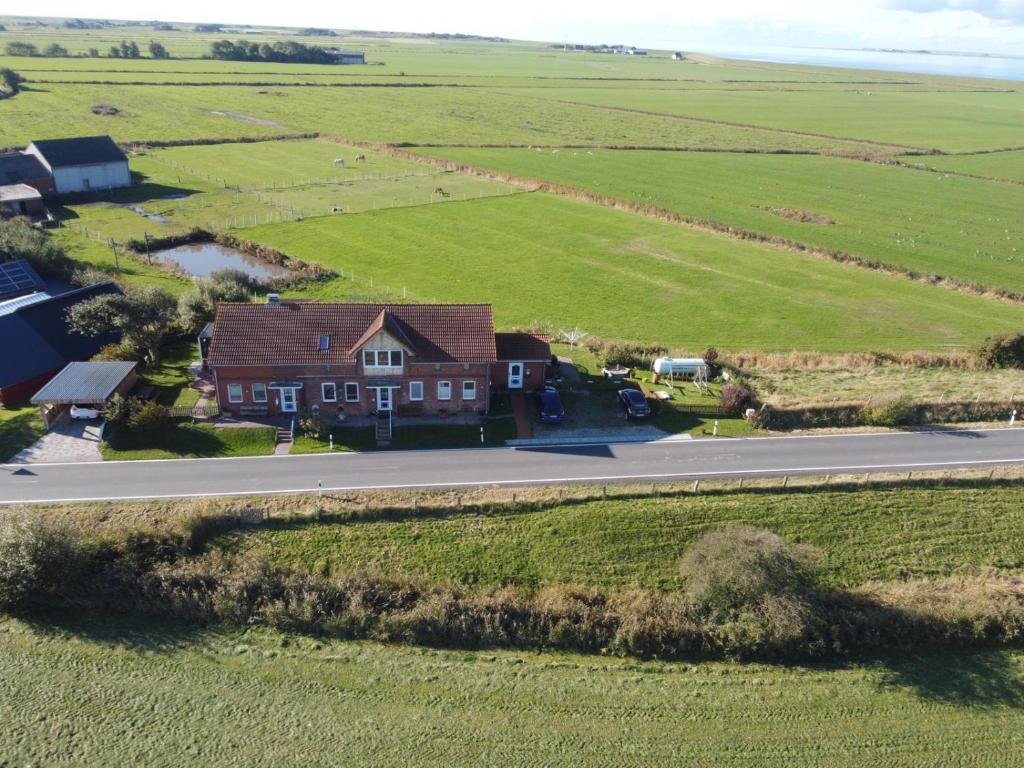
[(382, 358)]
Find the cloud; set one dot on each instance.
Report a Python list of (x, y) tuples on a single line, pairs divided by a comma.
[(1011, 11)]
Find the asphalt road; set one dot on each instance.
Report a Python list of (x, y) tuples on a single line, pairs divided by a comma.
[(900, 451)]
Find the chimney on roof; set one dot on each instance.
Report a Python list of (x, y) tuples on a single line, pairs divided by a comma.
[(274, 299)]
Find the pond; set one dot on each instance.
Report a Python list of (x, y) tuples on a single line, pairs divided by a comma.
[(201, 259)]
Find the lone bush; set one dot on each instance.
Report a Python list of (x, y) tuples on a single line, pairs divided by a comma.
[(896, 412), (1001, 351), (149, 417), (757, 592), (36, 558), (735, 398)]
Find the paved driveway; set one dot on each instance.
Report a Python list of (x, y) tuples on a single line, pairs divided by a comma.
[(72, 441)]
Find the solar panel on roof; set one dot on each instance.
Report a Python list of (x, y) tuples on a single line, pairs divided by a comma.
[(18, 278)]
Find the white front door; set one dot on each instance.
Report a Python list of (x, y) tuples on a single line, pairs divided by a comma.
[(288, 404), (515, 375), (384, 399)]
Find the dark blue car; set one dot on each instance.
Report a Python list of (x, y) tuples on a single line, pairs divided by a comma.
[(549, 406), (634, 404)]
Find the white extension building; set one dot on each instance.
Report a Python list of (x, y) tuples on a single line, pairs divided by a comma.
[(83, 164)]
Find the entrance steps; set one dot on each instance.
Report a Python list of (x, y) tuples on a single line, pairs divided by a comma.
[(284, 441), (383, 431)]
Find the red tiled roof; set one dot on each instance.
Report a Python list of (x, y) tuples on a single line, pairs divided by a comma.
[(289, 333), (522, 346)]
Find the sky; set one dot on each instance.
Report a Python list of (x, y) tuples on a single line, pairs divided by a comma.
[(977, 26)]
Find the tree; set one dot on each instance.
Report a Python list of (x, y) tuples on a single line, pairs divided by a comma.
[(115, 52), (129, 49), (53, 49), (10, 80), (157, 50), (574, 337), (16, 48), (196, 306), (144, 316)]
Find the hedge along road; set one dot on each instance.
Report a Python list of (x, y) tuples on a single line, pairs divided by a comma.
[(509, 467)]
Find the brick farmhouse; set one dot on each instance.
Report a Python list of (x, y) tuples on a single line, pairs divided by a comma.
[(363, 359)]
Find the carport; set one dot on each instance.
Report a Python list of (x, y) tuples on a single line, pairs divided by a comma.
[(92, 384)]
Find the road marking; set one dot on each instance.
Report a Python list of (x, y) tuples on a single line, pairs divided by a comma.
[(538, 481), (720, 441)]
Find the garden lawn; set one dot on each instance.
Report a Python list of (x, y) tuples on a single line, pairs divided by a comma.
[(864, 535), (545, 261), (20, 426), (932, 223), (170, 375), (183, 440), (112, 692)]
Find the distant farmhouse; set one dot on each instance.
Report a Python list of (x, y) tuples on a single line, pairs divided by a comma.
[(677, 56), (83, 164), (58, 167), (346, 57), (37, 340)]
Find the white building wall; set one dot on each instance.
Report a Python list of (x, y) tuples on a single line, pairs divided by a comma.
[(82, 178)]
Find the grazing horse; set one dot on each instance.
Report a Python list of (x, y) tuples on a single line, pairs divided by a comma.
[(339, 161), (441, 193), (360, 158)]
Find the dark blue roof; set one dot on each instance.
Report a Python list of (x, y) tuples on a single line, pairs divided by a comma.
[(37, 338), (84, 150), (17, 278), (17, 168)]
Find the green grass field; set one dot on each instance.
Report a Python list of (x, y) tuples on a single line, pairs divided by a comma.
[(932, 223), (865, 535), (1008, 166), (118, 693), (238, 185), (948, 121), (544, 259)]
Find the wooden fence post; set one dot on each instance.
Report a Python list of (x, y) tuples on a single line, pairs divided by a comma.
[(696, 485)]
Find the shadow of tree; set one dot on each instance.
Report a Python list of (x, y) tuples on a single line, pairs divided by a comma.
[(991, 678)]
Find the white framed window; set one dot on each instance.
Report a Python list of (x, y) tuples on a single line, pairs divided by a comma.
[(469, 390), (444, 390), (259, 393), (234, 393), (415, 391), (382, 358), (351, 392), (329, 392)]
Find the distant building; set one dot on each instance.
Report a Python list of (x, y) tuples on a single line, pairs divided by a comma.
[(21, 200), (346, 57), (20, 168), (38, 341), (82, 164), (677, 56)]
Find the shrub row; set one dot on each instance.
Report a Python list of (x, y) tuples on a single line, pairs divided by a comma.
[(896, 412), (751, 596)]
